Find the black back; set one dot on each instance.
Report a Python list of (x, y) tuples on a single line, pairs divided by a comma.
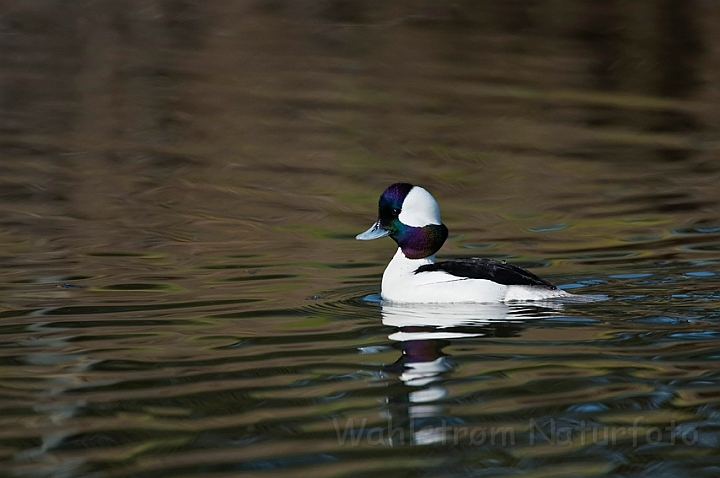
[(496, 271)]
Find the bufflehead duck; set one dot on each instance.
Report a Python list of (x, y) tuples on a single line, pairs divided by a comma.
[(411, 217)]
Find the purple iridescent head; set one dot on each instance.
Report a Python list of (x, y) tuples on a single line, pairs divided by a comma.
[(410, 215)]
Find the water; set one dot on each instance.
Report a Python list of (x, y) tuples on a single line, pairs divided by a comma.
[(181, 293)]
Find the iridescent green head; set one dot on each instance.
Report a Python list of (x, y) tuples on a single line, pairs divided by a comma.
[(411, 216)]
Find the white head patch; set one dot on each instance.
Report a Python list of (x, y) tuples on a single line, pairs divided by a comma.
[(419, 208)]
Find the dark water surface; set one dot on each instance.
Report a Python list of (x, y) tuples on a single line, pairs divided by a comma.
[(181, 183)]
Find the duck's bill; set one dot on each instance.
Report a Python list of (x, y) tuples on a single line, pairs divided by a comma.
[(374, 232)]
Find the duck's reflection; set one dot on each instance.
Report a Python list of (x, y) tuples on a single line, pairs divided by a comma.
[(417, 415)]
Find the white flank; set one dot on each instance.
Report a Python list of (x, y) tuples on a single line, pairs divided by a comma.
[(400, 284)]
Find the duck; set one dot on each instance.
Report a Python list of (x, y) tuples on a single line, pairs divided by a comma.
[(410, 216)]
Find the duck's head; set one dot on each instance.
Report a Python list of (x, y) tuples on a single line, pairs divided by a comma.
[(411, 216)]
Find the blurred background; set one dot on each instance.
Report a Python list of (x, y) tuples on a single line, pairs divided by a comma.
[(181, 182), (158, 124)]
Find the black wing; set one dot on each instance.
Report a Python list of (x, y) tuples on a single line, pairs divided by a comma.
[(496, 271)]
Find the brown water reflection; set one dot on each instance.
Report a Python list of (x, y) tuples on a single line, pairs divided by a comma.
[(181, 182)]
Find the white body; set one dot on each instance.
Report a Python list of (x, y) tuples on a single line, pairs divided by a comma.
[(401, 284)]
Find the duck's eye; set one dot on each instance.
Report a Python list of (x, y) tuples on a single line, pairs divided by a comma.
[(396, 212)]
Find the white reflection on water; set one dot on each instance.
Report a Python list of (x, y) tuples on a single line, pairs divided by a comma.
[(422, 332)]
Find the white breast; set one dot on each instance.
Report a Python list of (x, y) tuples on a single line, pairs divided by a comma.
[(401, 284)]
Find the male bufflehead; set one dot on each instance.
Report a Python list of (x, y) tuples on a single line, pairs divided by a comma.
[(411, 217)]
